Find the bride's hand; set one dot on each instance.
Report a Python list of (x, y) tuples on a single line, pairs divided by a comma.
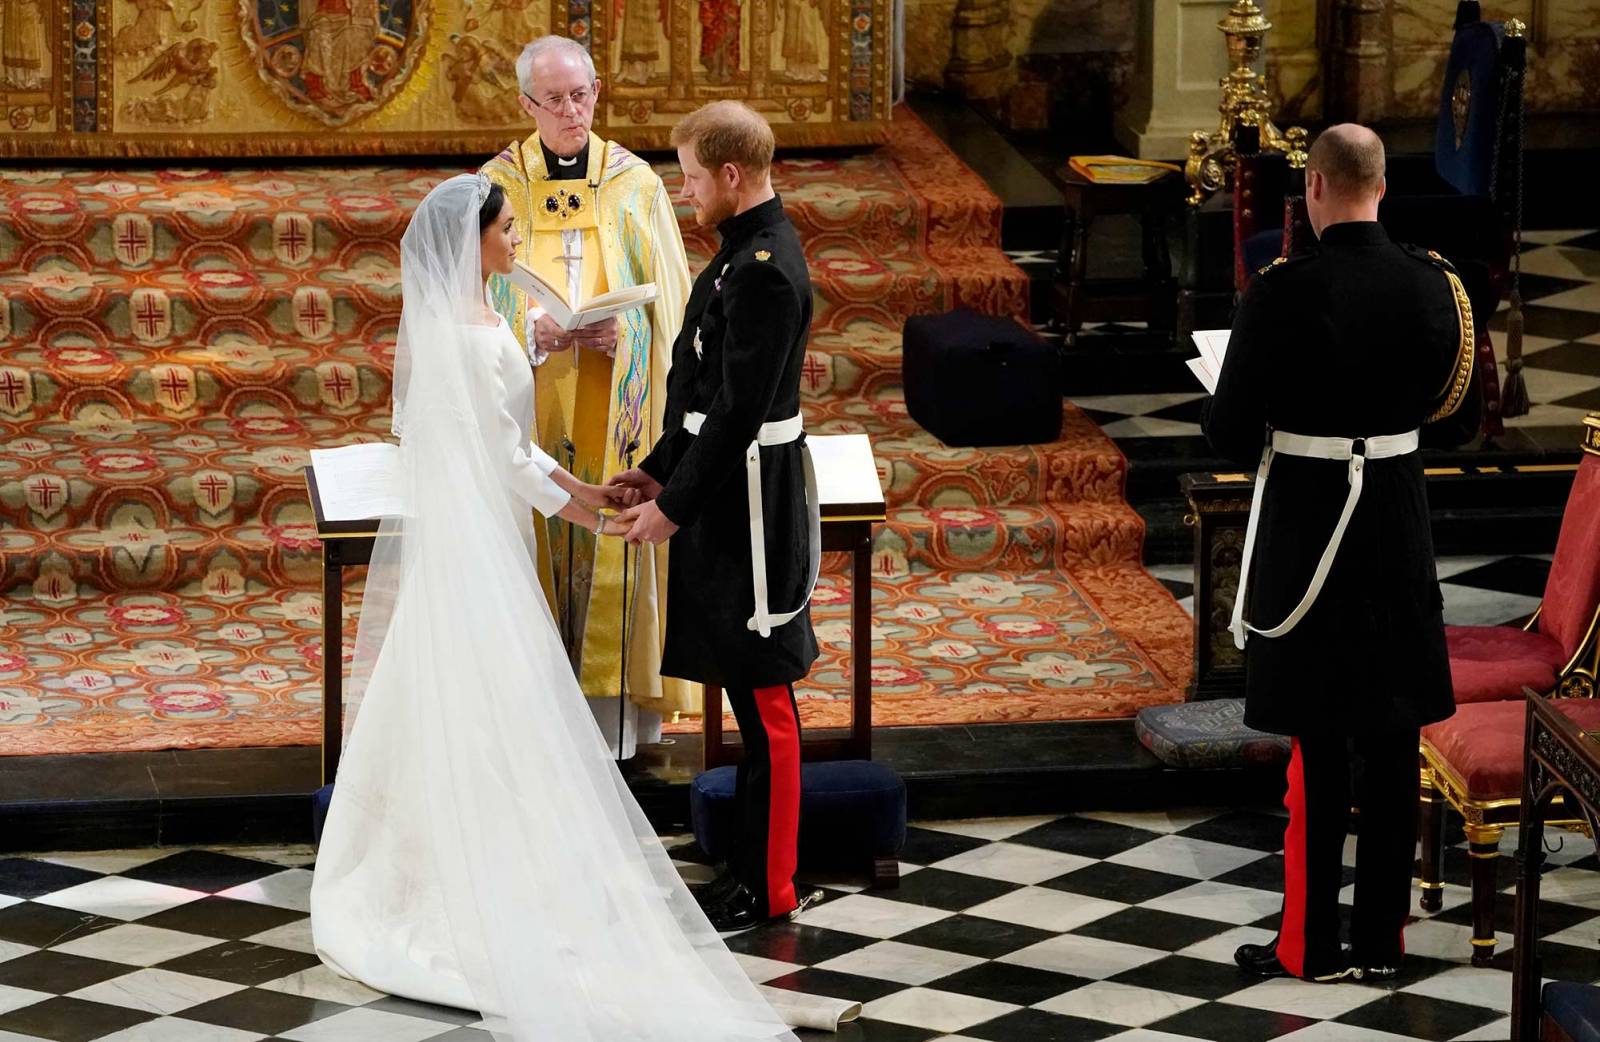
[(595, 497), (617, 526)]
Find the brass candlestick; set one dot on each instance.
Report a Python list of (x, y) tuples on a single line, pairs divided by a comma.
[(1245, 103)]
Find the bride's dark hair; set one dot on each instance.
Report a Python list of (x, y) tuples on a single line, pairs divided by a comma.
[(490, 209)]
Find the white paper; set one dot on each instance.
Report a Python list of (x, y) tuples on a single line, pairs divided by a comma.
[(358, 482), (598, 309), (1213, 347), (361, 482), (842, 462)]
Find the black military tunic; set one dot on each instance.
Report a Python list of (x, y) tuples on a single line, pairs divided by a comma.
[(1357, 337), (737, 360)]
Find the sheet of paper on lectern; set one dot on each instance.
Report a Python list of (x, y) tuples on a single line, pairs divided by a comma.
[(1213, 346), (846, 470), (358, 482)]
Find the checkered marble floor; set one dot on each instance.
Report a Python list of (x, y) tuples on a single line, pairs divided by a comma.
[(1478, 591), (1561, 344), (1092, 926)]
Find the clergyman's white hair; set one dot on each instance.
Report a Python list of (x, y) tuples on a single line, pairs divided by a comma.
[(551, 45)]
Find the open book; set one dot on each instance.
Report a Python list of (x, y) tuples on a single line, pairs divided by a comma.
[(595, 309), (1213, 345)]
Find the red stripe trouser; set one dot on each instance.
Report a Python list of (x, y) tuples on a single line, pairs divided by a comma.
[(767, 794), (1318, 801)]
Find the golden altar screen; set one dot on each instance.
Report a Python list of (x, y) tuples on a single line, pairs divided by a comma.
[(212, 78)]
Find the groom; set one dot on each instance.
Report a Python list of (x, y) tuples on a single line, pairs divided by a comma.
[(726, 484)]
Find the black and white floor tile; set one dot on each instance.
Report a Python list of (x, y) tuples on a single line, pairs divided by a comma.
[(1092, 926), (1561, 346), (1477, 591)]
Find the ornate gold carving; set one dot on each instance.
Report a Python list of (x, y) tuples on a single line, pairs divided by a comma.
[(1460, 379), (1591, 434), (1461, 105), (803, 42), (334, 60), (187, 67), (482, 78), (148, 30), (1515, 28), (1245, 103)]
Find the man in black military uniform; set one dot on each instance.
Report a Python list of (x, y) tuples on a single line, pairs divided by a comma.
[(728, 484), (1337, 357)]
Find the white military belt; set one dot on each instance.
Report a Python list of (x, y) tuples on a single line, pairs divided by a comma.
[(1355, 450), (778, 432)]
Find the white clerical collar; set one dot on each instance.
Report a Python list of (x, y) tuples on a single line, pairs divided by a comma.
[(564, 161)]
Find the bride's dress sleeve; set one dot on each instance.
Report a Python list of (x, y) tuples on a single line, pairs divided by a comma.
[(528, 467)]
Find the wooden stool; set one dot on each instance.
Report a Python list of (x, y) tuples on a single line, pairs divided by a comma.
[(1151, 298)]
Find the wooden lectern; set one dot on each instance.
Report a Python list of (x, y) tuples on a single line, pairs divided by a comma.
[(852, 503)]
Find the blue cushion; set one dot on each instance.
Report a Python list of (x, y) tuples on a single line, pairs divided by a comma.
[(1207, 734), (1475, 51), (319, 810), (1575, 1007), (851, 811)]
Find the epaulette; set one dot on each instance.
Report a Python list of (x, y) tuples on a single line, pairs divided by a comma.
[(1428, 256), (1279, 262)]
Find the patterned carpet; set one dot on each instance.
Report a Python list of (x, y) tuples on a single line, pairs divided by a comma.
[(173, 342)]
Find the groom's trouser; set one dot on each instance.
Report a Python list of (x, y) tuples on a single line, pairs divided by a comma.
[(767, 793), (1318, 801)]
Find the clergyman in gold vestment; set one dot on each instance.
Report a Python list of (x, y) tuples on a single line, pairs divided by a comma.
[(594, 218)]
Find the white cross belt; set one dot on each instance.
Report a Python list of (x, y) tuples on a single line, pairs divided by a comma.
[(778, 432), (1357, 451)]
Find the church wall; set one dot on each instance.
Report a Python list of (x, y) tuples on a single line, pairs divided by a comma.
[(1085, 50)]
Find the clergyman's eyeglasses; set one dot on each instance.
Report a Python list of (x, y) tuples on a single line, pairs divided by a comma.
[(557, 103)]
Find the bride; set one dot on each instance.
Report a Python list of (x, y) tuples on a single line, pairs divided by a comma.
[(482, 850)]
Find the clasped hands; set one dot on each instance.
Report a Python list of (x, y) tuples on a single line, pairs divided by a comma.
[(634, 493), (601, 336)]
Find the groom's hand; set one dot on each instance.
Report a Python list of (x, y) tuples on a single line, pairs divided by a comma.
[(632, 487), (649, 524)]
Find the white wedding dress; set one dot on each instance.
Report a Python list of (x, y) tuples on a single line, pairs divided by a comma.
[(482, 850)]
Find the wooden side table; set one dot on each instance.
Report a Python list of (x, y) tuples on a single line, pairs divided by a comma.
[(1559, 759), (1151, 298)]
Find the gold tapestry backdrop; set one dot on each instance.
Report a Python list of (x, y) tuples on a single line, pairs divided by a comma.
[(201, 78)]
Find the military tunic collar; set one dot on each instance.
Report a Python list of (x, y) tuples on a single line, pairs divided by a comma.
[(1354, 233), (742, 226)]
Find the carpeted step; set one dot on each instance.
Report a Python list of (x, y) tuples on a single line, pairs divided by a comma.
[(120, 670), (217, 292), (289, 217), (1083, 466), (1007, 538), (981, 645)]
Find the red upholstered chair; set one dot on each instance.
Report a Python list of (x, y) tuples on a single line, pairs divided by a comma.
[(1473, 761)]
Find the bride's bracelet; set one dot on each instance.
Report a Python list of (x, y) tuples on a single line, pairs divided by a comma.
[(600, 523)]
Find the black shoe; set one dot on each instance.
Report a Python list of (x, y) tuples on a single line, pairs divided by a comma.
[(710, 895), (739, 910), (1260, 960)]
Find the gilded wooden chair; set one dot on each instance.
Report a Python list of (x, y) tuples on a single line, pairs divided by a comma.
[(1473, 761)]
